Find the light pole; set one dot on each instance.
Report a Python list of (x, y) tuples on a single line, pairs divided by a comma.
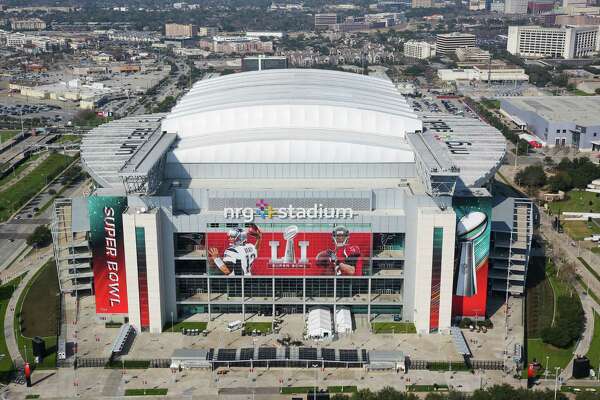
[(546, 370), (556, 382)]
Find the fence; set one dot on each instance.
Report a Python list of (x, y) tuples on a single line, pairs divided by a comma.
[(455, 365), (90, 362)]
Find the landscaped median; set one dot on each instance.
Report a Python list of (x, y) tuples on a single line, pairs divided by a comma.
[(37, 314), (393, 327), (146, 392), (179, 326), (258, 327), (26, 188)]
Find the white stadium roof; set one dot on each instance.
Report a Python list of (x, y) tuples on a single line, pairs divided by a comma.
[(269, 116), (292, 117)]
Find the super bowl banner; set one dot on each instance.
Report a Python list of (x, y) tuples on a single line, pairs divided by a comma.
[(473, 228), (108, 258), (283, 249)]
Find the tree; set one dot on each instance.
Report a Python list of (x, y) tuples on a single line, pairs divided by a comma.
[(561, 181), (40, 237), (533, 176)]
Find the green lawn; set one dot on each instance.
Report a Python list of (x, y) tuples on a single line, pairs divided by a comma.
[(540, 298), (27, 187), (18, 170), (427, 388), (588, 290), (587, 266), (393, 327), (6, 364), (577, 201), (594, 353), (342, 389), (261, 327), (68, 139), (146, 392), (538, 350), (185, 325), (297, 389), (37, 315), (6, 134), (579, 230)]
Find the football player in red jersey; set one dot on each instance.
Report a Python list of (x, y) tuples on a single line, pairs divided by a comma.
[(345, 259)]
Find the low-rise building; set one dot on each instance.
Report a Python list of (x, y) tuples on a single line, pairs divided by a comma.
[(484, 73), (473, 54), (29, 24), (208, 31), (559, 120), (261, 62)]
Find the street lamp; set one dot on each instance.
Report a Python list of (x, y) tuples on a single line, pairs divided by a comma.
[(556, 382), (546, 370)]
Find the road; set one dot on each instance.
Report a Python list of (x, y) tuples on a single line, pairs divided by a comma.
[(565, 250)]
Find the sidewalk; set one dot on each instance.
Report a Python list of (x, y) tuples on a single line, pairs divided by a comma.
[(9, 331)]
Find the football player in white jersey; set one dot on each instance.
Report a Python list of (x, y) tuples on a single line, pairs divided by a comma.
[(239, 256)]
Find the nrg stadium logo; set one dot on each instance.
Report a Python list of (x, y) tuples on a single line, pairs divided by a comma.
[(264, 210)]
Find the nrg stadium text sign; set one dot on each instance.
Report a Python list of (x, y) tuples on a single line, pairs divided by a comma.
[(265, 211)]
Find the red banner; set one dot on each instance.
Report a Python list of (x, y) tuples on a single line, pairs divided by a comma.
[(290, 253)]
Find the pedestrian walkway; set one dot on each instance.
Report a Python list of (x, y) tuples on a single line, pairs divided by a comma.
[(9, 329)]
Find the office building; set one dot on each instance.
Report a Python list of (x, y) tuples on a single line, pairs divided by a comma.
[(566, 42), (447, 43), (325, 21), (515, 6), (419, 50), (421, 3), (180, 30)]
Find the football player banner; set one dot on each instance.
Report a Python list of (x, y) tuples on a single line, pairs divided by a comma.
[(281, 249)]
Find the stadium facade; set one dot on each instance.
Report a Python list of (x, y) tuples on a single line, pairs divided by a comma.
[(275, 191)]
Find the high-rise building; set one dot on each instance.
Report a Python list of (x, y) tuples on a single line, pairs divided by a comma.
[(515, 6), (325, 21), (565, 42), (419, 50), (447, 43), (180, 30)]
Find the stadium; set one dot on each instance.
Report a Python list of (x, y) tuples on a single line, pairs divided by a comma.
[(279, 191)]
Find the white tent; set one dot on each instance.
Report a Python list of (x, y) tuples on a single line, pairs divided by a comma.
[(343, 321), (318, 324)]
